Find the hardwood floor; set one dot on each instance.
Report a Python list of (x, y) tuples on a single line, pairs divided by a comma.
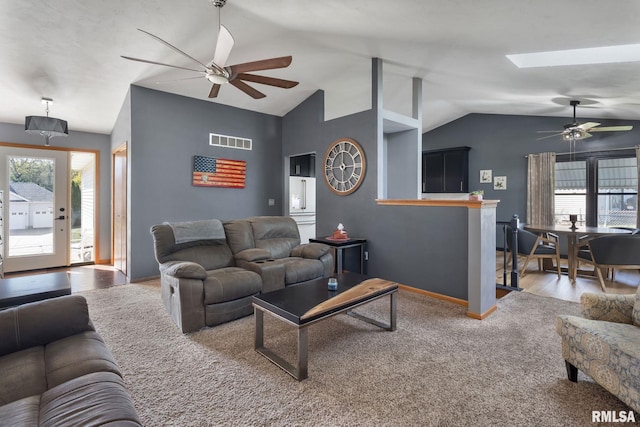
[(84, 278), (546, 283)]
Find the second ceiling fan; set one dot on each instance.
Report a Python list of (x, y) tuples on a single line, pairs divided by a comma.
[(576, 131), (237, 75)]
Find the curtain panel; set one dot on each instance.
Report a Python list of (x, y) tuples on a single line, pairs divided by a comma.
[(541, 183)]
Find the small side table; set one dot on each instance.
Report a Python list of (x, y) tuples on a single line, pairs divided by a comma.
[(340, 245)]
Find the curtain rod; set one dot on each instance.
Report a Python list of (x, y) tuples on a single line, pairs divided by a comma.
[(587, 152)]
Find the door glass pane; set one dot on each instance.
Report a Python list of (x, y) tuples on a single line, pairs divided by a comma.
[(31, 182), (617, 192), (571, 191), (82, 207)]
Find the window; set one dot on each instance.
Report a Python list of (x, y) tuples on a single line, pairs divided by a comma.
[(601, 188)]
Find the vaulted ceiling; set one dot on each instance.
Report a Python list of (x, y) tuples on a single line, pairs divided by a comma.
[(69, 50)]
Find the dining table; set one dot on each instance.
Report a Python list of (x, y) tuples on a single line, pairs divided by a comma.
[(574, 235)]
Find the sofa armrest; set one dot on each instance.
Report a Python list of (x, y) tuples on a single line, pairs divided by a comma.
[(184, 269), (253, 254), (42, 322), (310, 250), (607, 307)]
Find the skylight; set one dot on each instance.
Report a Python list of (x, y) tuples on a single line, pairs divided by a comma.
[(592, 55)]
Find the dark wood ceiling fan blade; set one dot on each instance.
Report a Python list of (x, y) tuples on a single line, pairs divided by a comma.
[(160, 63), (214, 90), (271, 81), (264, 64), (256, 94)]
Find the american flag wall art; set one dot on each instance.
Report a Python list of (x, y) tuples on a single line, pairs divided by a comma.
[(215, 172)]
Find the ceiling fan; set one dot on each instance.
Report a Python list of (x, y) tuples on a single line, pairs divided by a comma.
[(218, 73), (576, 131)]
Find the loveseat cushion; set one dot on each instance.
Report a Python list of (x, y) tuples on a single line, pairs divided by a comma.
[(23, 412), (22, 374), (209, 253), (276, 234), (231, 283), (75, 356), (90, 400)]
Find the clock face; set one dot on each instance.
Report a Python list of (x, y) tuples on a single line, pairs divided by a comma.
[(344, 166)]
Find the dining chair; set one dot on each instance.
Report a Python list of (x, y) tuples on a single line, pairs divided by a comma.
[(585, 256), (612, 252), (531, 245)]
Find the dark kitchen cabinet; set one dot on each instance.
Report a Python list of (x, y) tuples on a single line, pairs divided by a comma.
[(304, 165), (446, 170)]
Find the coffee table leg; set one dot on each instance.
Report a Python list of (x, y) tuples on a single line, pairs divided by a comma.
[(303, 353), (393, 310), (391, 326), (259, 339)]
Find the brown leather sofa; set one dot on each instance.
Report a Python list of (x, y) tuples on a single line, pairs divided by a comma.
[(56, 369), (210, 270)]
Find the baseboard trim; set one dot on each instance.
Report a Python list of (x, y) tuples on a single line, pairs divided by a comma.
[(435, 295), (483, 315)]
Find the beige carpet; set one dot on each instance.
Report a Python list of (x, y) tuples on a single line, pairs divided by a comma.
[(439, 368)]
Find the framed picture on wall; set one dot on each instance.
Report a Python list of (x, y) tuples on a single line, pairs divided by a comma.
[(485, 176), (500, 183)]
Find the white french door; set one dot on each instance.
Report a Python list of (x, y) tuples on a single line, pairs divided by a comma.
[(36, 212)]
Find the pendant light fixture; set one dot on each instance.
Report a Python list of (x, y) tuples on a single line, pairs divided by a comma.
[(46, 126)]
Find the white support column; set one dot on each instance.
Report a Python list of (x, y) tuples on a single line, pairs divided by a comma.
[(481, 261)]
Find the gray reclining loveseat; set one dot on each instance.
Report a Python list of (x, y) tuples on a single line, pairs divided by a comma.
[(209, 270)]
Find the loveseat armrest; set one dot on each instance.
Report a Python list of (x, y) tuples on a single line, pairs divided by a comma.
[(253, 254), (310, 250), (607, 307), (42, 322), (183, 269), (271, 272)]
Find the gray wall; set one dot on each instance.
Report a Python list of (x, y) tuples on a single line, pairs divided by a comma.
[(167, 131), (77, 140), (501, 142), (405, 243)]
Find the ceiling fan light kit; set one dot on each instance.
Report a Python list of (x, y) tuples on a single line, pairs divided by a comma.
[(218, 73), (577, 131), (45, 125)]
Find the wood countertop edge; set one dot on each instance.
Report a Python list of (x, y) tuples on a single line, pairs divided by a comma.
[(472, 204)]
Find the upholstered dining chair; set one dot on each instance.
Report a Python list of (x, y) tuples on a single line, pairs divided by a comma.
[(537, 246), (612, 252)]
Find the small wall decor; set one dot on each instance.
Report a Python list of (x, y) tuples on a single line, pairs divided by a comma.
[(485, 176), (215, 172), (500, 183)]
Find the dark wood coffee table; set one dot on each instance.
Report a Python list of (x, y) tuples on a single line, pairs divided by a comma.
[(305, 304), (24, 289)]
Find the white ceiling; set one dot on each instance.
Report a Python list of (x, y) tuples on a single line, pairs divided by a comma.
[(69, 50)]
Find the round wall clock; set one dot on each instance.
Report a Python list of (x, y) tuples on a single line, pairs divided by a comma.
[(344, 166)]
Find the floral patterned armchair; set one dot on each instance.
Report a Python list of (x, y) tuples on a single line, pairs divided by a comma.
[(605, 343)]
